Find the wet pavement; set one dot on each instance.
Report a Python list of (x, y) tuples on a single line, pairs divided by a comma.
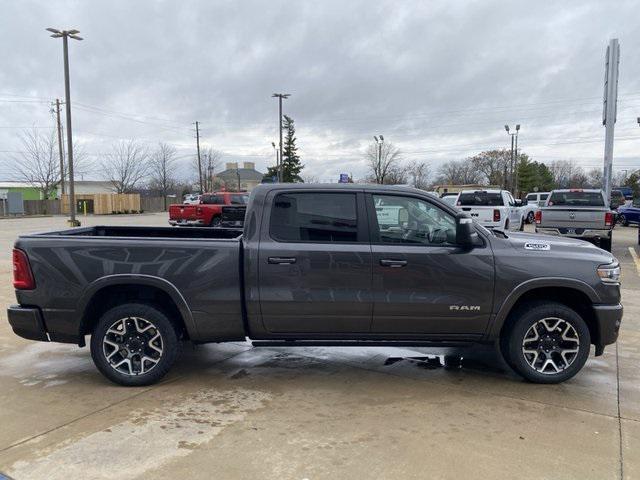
[(233, 411)]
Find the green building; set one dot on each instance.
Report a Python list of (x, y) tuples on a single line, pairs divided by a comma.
[(28, 191)]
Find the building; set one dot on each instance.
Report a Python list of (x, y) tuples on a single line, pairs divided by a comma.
[(247, 176), (88, 187), (29, 192), (440, 189)]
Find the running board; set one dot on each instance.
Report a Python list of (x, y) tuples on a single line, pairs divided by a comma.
[(358, 343)]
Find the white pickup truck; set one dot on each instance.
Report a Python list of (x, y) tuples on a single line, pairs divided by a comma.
[(492, 208)]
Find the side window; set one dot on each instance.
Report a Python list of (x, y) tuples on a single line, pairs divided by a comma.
[(531, 197), (314, 217), (239, 199), (510, 201), (410, 220)]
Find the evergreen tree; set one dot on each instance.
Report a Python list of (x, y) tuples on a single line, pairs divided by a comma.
[(291, 166)]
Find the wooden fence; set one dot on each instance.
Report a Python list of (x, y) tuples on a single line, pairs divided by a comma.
[(42, 207), (103, 204)]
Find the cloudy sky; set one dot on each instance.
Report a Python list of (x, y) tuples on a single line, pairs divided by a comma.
[(439, 79)]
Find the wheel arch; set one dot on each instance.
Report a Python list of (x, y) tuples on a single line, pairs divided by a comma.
[(570, 292), (109, 291)]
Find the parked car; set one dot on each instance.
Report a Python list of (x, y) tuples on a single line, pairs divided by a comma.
[(191, 199), (577, 213), (492, 208), (626, 191), (350, 265), (534, 201), (208, 213), (629, 214)]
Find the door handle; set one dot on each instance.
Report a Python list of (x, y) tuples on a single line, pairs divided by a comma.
[(393, 263), (281, 260)]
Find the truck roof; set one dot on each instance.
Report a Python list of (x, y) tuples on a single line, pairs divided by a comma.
[(267, 187), (586, 190), (487, 190)]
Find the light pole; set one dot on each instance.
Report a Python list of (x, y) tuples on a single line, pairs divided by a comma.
[(65, 34), (380, 141), (280, 96), (514, 149)]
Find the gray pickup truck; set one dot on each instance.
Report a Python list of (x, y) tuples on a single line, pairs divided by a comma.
[(577, 213), (339, 265)]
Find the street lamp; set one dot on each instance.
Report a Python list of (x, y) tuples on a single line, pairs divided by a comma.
[(514, 150), (280, 96), (65, 34)]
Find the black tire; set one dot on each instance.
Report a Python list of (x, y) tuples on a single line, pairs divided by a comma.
[(605, 244), (531, 217), (105, 333), (518, 336), (622, 220), (215, 221)]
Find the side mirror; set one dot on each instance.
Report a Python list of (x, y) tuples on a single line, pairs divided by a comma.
[(464, 230), (518, 202)]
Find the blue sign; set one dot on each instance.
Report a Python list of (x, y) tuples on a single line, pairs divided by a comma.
[(344, 178)]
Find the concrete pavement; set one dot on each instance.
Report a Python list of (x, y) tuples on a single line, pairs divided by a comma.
[(232, 411)]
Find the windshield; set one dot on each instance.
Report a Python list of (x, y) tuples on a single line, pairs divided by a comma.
[(576, 199), (480, 199)]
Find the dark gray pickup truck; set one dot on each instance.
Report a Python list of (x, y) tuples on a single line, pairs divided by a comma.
[(319, 265)]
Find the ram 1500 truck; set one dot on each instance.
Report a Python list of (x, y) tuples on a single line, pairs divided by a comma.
[(577, 213), (319, 265), (207, 212)]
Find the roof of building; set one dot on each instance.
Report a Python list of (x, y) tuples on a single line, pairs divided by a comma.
[(12, 184)]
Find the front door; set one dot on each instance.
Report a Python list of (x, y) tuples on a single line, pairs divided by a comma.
[(315, 263), (422, 282)]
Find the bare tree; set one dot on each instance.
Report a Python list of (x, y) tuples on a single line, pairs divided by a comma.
[(492, 165), (39, 163), (211, 160), (567, 174), (127, 166), (162, 170), (382, 162), (595, 177), (418, 173), (462, 172)]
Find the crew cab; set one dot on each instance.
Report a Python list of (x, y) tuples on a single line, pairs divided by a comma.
[(577, 213), (339, 265), (492, 208), (207, 213)]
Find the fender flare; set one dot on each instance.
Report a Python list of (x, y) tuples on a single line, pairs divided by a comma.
[(139, 279), (495, 326)]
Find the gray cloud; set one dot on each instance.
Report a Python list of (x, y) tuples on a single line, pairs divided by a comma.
[(439, 79)]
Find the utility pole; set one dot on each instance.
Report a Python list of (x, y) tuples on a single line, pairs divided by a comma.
[(514, 150), (612, 61), (199, 161), (380, 141), (65, 35), (280, 97), (60, 148)]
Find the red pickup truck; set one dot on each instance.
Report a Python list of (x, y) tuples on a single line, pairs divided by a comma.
[(208, 213)]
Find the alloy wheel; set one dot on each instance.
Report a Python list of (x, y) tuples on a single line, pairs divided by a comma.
[(132, 346), (550, 345)]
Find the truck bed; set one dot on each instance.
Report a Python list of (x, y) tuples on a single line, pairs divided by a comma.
[(149, 232)]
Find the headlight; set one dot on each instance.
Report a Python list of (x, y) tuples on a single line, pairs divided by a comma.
[(609, 274)]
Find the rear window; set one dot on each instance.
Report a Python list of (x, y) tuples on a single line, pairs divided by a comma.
[(481, 199), (314, 217), (576, 199), (531, 196), (212, 199), (239, 199)]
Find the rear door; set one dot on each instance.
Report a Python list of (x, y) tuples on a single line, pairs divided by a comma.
[(315, 263), (423, 284)]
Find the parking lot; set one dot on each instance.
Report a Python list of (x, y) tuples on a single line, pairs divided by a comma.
[(233, 411)]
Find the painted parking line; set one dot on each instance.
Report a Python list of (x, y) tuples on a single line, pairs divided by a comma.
[(635, 257)]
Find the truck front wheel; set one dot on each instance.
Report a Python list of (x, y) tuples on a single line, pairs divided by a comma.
[(134, 344), (547, 343)]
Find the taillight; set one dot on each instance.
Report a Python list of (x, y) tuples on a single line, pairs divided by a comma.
[(22, 276), (496, 215), (539, 216), (608, 219)]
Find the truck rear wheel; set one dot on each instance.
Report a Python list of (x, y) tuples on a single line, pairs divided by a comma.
[(134, 344), (547, 343)]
